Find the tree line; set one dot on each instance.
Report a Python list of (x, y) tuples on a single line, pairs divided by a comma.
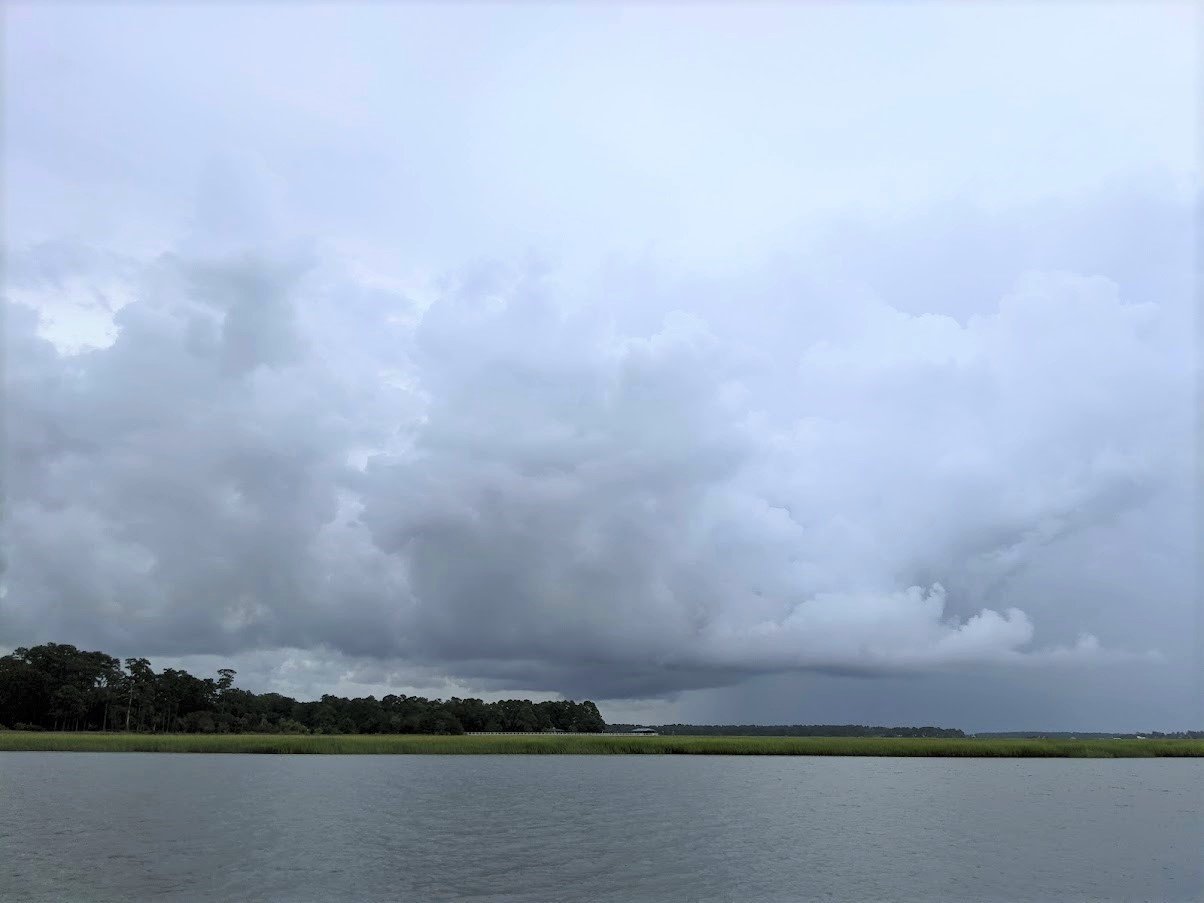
[(1093, 735), (58, 687), (795, 730)]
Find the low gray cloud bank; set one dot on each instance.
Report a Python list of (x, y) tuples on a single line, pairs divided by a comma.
[(604, 491)]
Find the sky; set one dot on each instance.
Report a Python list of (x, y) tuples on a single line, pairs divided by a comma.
[(801, 363)]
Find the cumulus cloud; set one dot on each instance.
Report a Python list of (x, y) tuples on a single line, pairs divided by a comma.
[(619, 493)]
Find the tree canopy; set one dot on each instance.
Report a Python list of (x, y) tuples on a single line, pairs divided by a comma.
[(56, 686)]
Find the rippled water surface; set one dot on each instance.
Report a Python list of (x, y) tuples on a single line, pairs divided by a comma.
[(114, 826)]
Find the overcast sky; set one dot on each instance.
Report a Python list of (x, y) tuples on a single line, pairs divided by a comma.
[(800, 363)]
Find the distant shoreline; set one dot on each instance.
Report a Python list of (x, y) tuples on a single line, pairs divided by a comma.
[(593, 744)]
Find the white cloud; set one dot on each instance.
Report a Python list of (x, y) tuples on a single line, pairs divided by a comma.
[(822, 340), (547, 498)]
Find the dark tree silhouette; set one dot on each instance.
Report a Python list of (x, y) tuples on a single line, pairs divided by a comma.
[(59, 687)]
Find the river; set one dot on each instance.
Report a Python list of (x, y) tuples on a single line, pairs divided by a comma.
[(127, 826)]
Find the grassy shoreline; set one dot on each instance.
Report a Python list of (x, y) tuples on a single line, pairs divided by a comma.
[(593, 744)]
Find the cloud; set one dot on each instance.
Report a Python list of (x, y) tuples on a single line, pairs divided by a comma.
[(513, 485)]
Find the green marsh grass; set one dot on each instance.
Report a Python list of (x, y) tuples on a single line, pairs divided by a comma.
[(593, 744)]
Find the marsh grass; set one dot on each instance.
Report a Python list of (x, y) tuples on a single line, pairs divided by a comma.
[(594, 744)]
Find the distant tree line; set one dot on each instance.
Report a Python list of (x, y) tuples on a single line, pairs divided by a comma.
[(1093, 735), (794, 730), (59, 687)]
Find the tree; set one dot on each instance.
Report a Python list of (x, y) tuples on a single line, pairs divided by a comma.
[(59, 687), (68, 705), (140, 686)]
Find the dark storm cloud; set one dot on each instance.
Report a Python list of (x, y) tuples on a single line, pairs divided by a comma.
[(523, 491), (884, 371)]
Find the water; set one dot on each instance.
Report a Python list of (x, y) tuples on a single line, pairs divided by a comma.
[(114, 826)]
